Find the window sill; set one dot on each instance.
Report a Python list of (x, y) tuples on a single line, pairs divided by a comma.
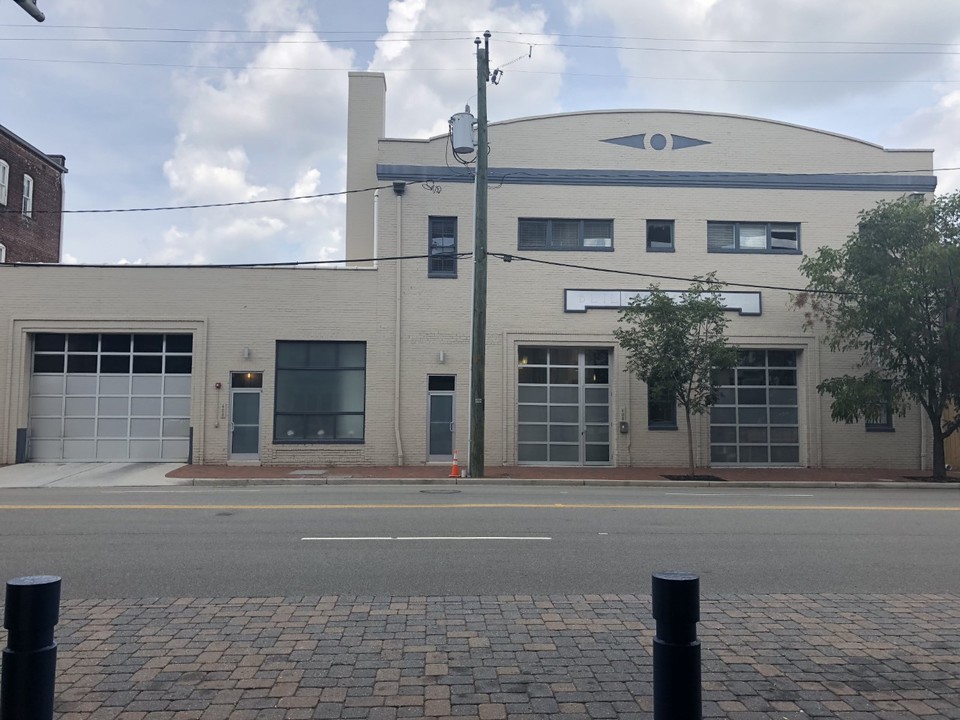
[(572, 249), (754, 252), (437, 276), (318, 442)]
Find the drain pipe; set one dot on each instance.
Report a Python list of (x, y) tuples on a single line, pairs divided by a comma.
[(376, 227), (398, 189)]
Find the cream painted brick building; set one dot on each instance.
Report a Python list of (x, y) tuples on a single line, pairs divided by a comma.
[(370, 365)]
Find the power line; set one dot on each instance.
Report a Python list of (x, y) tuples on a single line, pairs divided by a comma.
[(505, 257), (319, 40), (613, 76), (517, 33), (241, 266), (509, 257), (493, 174), (210, 205), (211, 41)]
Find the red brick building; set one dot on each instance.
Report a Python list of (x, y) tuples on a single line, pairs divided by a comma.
[(31, 201)]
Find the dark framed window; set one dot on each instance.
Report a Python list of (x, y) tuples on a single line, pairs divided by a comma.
[(559, 234), (320, 392), (661, 410), (753, 237), (882, 419), (660, 236), (442, 248)]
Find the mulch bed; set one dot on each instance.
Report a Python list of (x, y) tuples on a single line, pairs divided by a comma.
[(700, 478)]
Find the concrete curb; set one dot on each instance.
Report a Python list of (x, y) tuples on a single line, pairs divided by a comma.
[(560, 482)]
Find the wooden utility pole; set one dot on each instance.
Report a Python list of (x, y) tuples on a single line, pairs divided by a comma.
[(479, 331)]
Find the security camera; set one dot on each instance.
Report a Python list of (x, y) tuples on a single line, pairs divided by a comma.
[(31, 7)]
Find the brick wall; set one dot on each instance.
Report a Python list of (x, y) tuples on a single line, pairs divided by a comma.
[(35, 238)]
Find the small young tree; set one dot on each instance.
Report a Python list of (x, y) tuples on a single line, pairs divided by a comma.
[(892, 295), (675, 345)]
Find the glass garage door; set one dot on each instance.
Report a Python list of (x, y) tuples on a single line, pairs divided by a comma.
[(563, 406), (110, 397), (756, 418)]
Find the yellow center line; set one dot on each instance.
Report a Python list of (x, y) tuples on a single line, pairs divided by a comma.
[(494, 506)]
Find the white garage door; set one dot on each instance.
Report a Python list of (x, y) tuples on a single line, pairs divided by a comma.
[(110, 397)]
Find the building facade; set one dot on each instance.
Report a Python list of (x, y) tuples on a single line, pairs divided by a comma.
[(31, 202), (370, 364)]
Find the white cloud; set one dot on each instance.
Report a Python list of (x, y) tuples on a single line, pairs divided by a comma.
[(697, 40), (935, 126), (258, 134), (420, 102)]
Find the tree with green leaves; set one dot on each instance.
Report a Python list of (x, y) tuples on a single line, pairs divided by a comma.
[(891, 295), (674, 345)]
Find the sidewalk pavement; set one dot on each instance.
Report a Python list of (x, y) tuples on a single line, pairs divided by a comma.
[(576, 657), (32, 475)]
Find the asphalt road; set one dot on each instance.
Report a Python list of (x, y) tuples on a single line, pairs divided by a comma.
[(410, 540)]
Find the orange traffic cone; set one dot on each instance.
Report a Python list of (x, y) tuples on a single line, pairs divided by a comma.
[(455, 468)]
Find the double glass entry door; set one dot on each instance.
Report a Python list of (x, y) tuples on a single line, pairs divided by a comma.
[(563, 406)]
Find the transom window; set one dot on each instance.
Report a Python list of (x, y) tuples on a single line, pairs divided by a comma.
[(27, 196), (559, 234), (753, 237), (443, 247), (320, 392), (4, 181), (113, 353)]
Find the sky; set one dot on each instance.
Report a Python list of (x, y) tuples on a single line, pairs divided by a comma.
[(161, 103)]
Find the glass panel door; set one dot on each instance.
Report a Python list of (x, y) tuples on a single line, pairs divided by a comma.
[(440, 414), (441, 427), (563, 406), (245, 424)]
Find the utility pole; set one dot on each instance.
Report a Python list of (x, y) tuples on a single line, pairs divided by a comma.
[(479, 332)]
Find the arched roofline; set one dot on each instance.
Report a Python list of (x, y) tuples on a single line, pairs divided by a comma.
[(531, 118)]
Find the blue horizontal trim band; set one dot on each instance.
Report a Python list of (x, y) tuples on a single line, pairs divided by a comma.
[(662, 178)]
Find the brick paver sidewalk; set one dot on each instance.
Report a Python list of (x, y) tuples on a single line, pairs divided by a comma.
[(787, 657)]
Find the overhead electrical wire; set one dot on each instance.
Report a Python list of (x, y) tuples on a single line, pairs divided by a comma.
[(379, 33), (505, 257), (619, 76), (209, 205), (510, 257), (494, 177), (290, 264)]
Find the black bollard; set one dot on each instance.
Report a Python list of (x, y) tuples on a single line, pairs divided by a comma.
[(30, 659), (676, 650)]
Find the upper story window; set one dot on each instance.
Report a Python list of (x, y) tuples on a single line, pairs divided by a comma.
[(557, 234), (27, 196), (4, 181), (659, 235), (442, 247), (3, 253), (753, 237)]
